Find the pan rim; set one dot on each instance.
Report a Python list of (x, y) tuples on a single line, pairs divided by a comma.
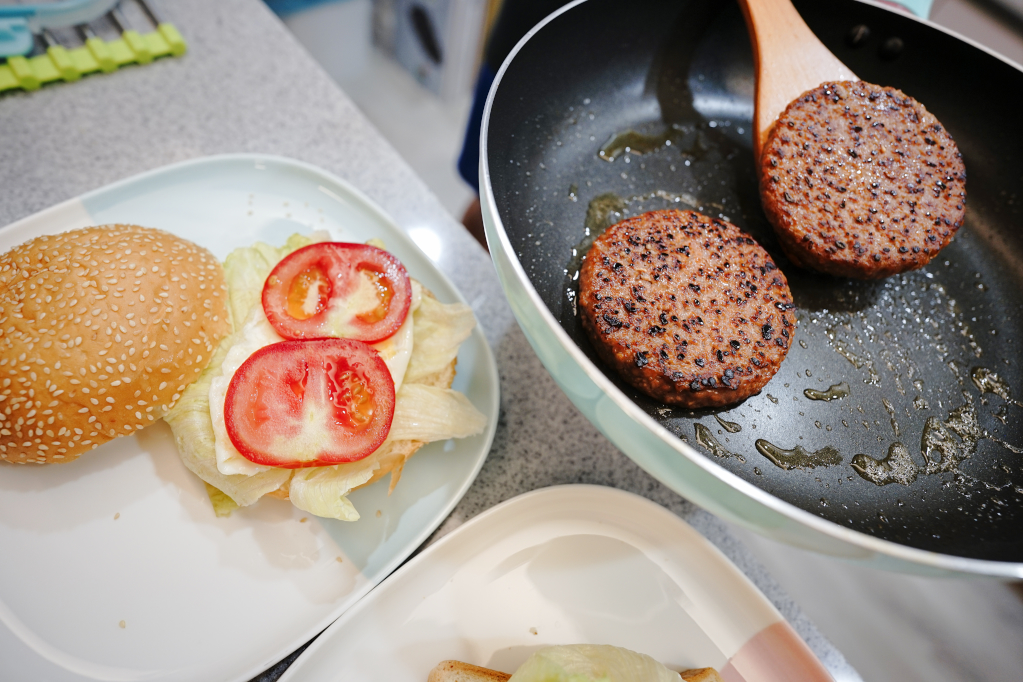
[(911, 556)]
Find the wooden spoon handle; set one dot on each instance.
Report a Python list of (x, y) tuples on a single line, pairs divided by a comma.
[(788, 58)]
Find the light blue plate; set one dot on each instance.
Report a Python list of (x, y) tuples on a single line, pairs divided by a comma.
[(233, 596)]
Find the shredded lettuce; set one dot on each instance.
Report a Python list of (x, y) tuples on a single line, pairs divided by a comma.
[(591, 663), (426, 409), (322, 490), (429, 413), (222, 504), (439, 330)]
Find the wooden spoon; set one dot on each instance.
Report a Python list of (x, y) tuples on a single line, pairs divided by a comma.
[(788, 60)]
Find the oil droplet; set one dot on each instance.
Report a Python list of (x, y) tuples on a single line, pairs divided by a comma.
[(824, 502), (858, 362), (573, 192), (1008, 446), (758, 472), (730, 427), (941, 451), (771, 398), (896, 467), (122, 625), (802, 344), (798, 457), (833, 393), (633, 142), (987, 381), (705, 438), (603, 211), (891, 413)]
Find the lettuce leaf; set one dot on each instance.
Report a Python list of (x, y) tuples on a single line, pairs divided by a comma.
[(322, 490), (591, 663), (429, 413), (222, 504), (439, 330)]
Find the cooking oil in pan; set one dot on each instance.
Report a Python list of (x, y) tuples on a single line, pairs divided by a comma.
[(633, 142), (707, 440), (890, 409), (798, 457), (896, 467), (730, 427), (839, 390), (987, 381)]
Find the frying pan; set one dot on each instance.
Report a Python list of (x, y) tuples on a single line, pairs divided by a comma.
[(892, 433)]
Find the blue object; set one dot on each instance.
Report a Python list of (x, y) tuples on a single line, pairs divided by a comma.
[(469, 159), (15, 38), (284, 7), (921, 8), (19, 22)]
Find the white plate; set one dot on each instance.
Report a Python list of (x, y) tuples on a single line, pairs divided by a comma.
[(568, 564), (126, 533)]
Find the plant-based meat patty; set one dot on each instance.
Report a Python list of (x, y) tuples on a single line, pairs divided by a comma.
[(861, 181), (686, 308)]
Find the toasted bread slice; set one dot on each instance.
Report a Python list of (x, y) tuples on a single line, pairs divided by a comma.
[(456, 671)]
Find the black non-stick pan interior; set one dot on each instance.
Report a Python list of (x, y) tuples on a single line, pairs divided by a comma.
[(898, 410)]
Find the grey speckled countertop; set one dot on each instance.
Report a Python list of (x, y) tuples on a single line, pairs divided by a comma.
[(246, 86)]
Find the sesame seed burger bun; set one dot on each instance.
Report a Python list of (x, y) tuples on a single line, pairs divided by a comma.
[(101, 329)]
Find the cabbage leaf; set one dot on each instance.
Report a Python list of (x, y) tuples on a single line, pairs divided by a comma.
[(591, 663)]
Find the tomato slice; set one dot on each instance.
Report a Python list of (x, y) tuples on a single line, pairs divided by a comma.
[(335, 289), (310, 403)]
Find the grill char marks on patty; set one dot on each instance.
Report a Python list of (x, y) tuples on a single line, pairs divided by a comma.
[(861, 181), (686, 308)]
